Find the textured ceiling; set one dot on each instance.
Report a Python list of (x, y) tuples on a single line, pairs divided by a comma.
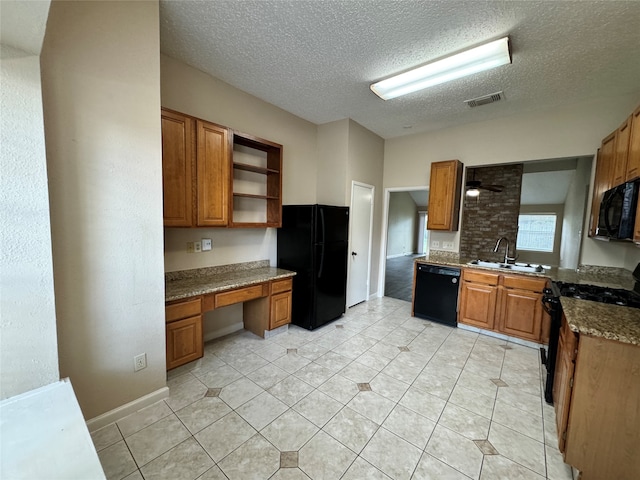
[(316, 59), (22, 24)]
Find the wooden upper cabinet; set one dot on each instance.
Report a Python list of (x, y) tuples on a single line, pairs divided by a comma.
[(213, 166), (633, 160), (178, 168), (195, 171), (623, 134), (444, 195), (603, 178)]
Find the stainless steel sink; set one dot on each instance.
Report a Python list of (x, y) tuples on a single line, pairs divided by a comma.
[(517, 267)]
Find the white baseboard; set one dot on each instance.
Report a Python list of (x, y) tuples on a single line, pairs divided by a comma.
[(127, 409), (396, 255)]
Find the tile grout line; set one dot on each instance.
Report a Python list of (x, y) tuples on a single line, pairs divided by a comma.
[(386, 314)]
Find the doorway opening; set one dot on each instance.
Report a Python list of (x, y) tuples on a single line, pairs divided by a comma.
[(405, 238)]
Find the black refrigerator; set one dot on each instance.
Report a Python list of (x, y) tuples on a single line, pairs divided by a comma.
[(313, 242)]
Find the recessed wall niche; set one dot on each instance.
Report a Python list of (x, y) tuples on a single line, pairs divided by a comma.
[(491, 215)]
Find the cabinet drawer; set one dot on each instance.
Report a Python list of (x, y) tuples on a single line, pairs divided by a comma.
[(480, 277), (278, 286), (524, 283), (241, 295), (180, 310)]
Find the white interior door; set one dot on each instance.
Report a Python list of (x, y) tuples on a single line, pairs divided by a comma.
[(360, 232)]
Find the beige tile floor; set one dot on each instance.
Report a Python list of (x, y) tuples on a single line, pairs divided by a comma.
[(376, 394)]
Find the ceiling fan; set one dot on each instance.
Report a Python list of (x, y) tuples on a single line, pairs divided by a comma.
[(474, 186)]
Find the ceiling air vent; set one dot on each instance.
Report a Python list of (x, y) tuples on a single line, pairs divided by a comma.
[(483, 100)]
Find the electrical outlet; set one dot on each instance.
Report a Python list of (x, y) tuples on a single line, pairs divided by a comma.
[(206, 244), (447, 245), (197, 247), (435, 244), (139, 362), (190, 247)]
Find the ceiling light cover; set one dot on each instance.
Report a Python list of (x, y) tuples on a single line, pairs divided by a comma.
[(478, 59)]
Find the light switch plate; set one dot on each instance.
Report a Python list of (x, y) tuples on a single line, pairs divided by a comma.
[(206, 244)]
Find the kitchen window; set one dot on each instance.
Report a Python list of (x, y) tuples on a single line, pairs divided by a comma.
[(536, 232)]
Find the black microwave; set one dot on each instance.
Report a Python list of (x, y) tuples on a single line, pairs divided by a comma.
[(618, 212)]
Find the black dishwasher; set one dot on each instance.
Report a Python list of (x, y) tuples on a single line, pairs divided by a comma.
[(435, 294)]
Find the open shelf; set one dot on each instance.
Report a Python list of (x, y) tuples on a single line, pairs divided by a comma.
[(256, 182), (250, 195), (254, 169)]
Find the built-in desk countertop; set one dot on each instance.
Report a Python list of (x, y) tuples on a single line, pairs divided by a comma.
[(264, 291), (201, 281)]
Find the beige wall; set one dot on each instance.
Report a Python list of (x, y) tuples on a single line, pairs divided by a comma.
[(101, 91), (188, 90), (333, 157), (569, 131), (28, 346), (366, 163), (194, 92)]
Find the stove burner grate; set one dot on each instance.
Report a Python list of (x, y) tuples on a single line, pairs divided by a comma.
[(595, 293)]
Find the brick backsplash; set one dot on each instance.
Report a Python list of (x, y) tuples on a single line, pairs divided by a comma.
[(491, 215)]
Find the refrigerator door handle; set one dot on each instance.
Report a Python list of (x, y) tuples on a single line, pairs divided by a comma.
[(322, 225), (321, 262)]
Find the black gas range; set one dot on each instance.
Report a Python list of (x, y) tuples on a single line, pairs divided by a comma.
[(593, 293), (596, 293)]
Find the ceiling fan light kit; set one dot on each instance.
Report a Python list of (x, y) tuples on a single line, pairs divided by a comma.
[(478, 59), (473, 186)]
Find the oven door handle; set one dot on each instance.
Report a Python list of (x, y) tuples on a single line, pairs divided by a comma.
[(546, 308)]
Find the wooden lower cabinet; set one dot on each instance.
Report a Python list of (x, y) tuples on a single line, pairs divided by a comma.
[(265, 306), (280, 313), (521, 314), (183, 332), (509, 304), (563, 380), (596, 397), (478, 304), (280, 308)]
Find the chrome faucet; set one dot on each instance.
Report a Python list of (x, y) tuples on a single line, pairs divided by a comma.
[(507, 258)]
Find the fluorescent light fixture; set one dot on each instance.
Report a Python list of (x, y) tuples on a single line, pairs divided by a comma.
[(473, 192), (478, 59)]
